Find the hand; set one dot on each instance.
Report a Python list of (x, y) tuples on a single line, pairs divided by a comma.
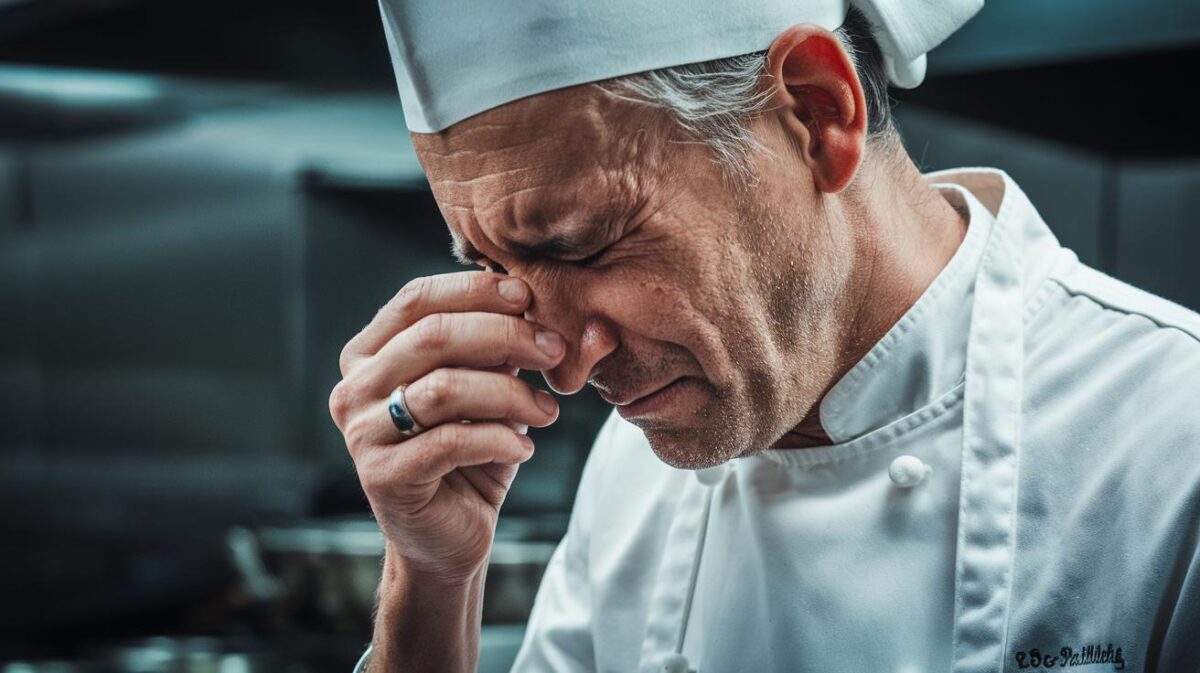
[(458, 341)]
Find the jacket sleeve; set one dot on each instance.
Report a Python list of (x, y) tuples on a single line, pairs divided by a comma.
[(558, 637)]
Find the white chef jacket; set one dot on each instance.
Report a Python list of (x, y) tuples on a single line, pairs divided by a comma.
[(1059, 413)]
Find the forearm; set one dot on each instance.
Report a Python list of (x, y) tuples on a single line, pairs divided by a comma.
[(425, 625)]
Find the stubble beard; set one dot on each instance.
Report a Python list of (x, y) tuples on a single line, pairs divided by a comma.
[(796, 278), (720, 433)]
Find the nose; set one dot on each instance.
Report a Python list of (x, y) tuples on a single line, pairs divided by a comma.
[(589, 337)]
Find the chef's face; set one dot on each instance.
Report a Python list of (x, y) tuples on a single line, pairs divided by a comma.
[(708, 311)]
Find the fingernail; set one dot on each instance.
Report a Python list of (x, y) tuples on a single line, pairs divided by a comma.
[(512, 290), (526, 442), (546, 401), (550, 343)]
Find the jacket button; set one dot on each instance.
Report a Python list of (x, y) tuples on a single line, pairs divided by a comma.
[(908, 471), (675, 663)]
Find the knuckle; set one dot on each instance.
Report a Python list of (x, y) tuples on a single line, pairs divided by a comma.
[(408, 301), (474, 284), (513, 408), (437, 388), (347, 357), (355, 435), (433, 332), (516, 394), (341, 402), (451, 437), (512, 331)]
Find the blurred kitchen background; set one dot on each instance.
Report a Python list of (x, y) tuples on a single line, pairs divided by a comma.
[(201, 202)]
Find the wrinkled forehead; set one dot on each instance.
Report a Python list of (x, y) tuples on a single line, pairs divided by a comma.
[(548, 147)]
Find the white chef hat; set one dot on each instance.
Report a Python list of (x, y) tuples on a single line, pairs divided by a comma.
[(457, 58)]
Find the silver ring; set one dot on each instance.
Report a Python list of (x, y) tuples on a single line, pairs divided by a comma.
[(398, 410)]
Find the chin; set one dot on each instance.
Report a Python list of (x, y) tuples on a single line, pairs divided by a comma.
[(692, 448), (700, 427)]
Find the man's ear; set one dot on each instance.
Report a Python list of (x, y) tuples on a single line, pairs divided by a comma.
[(820, 102)]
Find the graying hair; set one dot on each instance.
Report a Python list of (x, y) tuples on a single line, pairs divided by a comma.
[(713, 101)]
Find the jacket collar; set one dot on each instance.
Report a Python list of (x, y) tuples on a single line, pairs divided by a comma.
[(923, 356)]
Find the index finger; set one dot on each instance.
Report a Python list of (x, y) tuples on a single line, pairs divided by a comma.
[(463, 291)]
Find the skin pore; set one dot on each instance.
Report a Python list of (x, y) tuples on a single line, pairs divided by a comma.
[(752, 300)]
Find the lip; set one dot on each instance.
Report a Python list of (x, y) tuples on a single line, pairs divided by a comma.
[(650, 402), (626, 400)]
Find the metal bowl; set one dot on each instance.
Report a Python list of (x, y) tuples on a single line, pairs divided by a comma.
[(323, 574)]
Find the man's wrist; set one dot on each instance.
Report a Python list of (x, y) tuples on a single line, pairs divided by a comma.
[(425, 622)]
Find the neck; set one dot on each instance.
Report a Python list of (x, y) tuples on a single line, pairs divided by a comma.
[(907, 233)]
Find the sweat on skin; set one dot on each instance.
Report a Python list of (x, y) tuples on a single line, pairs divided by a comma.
[(657, 267)]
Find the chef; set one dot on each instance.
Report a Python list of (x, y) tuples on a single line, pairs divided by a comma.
[(866, 419)]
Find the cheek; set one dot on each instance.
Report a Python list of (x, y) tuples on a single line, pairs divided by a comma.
[(641, 301), (680, 305), (649, 302)]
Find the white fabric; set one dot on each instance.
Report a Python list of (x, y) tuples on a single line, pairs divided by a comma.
[(1059, 517), (457, 58)]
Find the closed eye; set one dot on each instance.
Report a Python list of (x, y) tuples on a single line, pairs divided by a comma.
[(592, 259)]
